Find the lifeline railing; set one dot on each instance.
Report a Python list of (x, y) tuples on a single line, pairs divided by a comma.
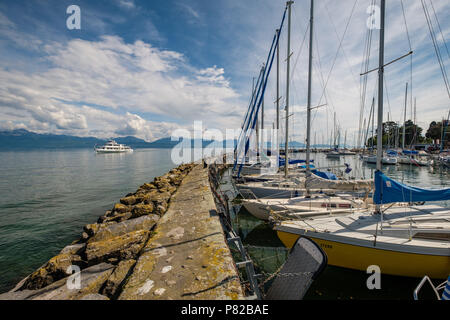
[(222, 200), (443, 286)]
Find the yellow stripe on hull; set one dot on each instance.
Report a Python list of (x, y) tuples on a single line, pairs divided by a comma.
[(390, 262)]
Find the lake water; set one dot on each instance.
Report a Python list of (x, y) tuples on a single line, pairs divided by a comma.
[(48, 196)]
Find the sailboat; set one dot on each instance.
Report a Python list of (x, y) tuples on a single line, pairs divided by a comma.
[(413, 158), (334, 153), (320, 191), (445, 161), (302, 207), (402, 240), (385, 160), (370, 158), (254, 116), (294, 185), (359, 240), (410, 157), (346, 151)]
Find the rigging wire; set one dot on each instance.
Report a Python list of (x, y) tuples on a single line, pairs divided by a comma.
[(439, 26), (294, 82), (318, 69), (387, 94), (355, 78), (411, 57), (339, 47), (436, 47), (363, 80), (323, 94)]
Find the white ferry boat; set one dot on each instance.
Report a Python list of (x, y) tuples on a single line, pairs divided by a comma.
[(113, 147)]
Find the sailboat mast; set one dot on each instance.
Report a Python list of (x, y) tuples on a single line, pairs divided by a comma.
[(278, 80), (257, 134), (365, 137), (414, 137), (286, 145), (380, 92), (404, 118), (388, 137), (308, 117), (262, 107), (257, 129), (397, 133), (339, 137), (315, 144), (257, 138), (334, 131), (345, 139), (373, 120)]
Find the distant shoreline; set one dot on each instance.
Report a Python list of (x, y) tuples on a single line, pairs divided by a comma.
[(66, 148), (17, 140)]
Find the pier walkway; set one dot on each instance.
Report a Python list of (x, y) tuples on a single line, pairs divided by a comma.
[(187, 257)]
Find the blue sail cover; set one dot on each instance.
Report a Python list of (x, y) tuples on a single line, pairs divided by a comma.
[(303, 166), (282, 161), (388, 191), (410, 152), (392, 153), (325, 175)]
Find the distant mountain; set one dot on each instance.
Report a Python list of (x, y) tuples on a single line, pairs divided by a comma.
[(22, 139), (164, 143)]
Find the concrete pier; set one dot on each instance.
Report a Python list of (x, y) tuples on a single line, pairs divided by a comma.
[(165, 241), (187, 257)]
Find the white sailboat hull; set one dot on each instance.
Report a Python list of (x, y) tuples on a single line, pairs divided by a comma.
[(414, 241), (416, 162), (299, 207), (384, 160)]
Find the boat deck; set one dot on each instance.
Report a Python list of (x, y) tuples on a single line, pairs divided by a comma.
[(400, 227)]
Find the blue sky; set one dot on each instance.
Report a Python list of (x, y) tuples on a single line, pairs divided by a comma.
[(145, 68)]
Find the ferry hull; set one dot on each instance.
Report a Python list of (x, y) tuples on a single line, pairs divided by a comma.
[(390, 262), (121, 151)]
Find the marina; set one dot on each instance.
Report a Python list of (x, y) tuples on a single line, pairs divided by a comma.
[(386, 231), (265, 213), (268, 251)]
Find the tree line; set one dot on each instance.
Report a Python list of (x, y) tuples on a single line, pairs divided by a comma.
[(393, 134)]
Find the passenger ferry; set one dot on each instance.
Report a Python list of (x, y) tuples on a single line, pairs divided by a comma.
[(113, 147)]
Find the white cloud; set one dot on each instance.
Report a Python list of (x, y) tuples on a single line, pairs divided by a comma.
[(137, 126), (5, 22), (253, 34), (127, 4), (149, 82), (137, 78), (193, 15), (9, 125)]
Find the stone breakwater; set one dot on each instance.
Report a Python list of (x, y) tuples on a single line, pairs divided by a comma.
[(165, 241)]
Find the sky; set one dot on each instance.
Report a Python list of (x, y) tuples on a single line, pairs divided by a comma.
[(147, 68)]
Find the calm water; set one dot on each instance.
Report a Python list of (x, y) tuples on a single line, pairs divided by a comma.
[(48, 196), (268, 252)]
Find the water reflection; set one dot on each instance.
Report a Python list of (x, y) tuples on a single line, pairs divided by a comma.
[(48, 196)]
